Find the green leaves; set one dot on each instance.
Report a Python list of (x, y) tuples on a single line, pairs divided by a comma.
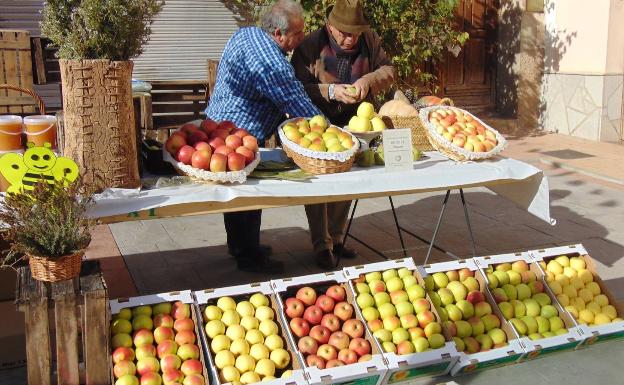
[(99, 29)]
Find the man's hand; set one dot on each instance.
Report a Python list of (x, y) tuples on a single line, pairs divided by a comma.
[(345, 93), (361, 89)]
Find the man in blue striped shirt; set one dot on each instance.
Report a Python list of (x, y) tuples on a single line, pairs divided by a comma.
[(255, 87)]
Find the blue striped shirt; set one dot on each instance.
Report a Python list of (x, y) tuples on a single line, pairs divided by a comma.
[(256, 85)]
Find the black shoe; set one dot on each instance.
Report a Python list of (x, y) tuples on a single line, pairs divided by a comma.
[(264, 250), (260, 264), (342, 252), (326, 260)]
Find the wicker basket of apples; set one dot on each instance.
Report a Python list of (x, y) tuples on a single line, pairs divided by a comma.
[(459, 135), (318, 147), (209, 151)]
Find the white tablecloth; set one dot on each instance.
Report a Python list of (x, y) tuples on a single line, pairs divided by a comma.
[(517, 181)]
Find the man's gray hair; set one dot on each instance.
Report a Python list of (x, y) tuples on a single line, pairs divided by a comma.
[(279, 15)]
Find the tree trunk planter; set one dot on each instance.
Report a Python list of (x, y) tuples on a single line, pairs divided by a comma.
[(99, 122)]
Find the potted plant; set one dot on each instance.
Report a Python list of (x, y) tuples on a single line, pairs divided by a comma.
[(96, 40), (47, 225)]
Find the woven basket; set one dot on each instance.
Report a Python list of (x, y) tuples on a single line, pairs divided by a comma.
[(28, 91), (452, 151), (54, 270)]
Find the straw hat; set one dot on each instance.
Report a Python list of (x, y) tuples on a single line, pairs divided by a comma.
[(347, 16)]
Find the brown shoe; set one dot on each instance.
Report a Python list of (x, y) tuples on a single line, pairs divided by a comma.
[(342, 252), (326, 260)]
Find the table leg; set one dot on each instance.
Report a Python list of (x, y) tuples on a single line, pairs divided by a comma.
[(347, 235), (396, 222), (472, 241), (435, 232)]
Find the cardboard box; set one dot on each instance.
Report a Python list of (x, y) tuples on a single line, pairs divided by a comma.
[(240, 293), (12, 337), (538, 348), (505, 355), (182, 296), (406, 367), (360, 373), (596, 333)]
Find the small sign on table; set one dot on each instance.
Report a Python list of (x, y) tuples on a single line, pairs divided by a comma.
[(397, 146)]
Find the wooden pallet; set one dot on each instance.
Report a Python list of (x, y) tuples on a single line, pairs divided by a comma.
[(81, 315), (15, 69)]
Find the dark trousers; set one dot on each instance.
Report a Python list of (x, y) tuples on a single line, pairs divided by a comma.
[(243, 231)]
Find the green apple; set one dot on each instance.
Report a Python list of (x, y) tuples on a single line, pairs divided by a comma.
[(404, 272), (409, 321), (519, 308), (435, 298), (361, 288), (398, 296), (161, 308), (212, 312), (542, 324), (520, 326), (383, 335), (370, 313), (490, 321), (145, 310), (549, 311), (432, 328), (366, 110), (556, 324), (530, 323), (464, 329), (459, 343), (548, 334), (524, 291), (503, 266), (415, 292), (121, 340), (429, 283), (492, 280), (510, 291), (482, 308), (453, 311), (502, 277), (497, 335), (535, 336), (388, 347), (374, 276), (436, 341), (365, 300), (514, 277), (387, 310), (532, 307), (399, 335), (478, 327), (410, 281), (121, 326), (391, 323), (484, 341), (440, 280), (124, 313), (259, 299), (318, 120), (404, 308), (471, 284), (542, 298), (446, 296), (142, 321), (394, 284), (458, 289), (466, 308), (381, 299), (443, 314), (390, 273), (420, 344), (507, 309)]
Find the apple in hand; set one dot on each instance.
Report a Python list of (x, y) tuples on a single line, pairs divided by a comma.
[(294, 308)]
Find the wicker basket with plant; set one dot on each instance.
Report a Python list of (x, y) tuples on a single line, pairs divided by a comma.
[(47, 225)]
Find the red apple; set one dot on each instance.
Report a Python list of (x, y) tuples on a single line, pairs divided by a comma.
[(233, 141), (203, 146), (162, 333), (170, 362), (208, 125), (147, 364), (334, 363), (201, 158), (145, 351), (475, 297), (143, 337), (240, 132), (197, 136), (327, 352), (175, 142), (331, 322), (183, 324), (313, 315), (151, 378), (307, 345), (425, 318), (235, 161), (299, 327), (189, 129), (185, 337), (166, 347), (219, 133), (294, 307), (347, 356), (172, 377), (163, 320), (227, 125), (339, 340), (307, 295), (336, 292), (224, 150), (320, 333), (191, 367), (360, 346), (216, 143), (218, 163), (250, 142), (314, 360), (353, 327), (185, 153), (247, 153), (343, 310), (194, 379), (123, 353), (123, 368), (326, 303)]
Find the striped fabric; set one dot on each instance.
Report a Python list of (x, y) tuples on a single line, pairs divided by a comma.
[(256, 85)]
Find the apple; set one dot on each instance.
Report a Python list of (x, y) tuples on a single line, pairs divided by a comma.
[(347, 356), (265, 368), (381, 298), (306, 295), (189, 351), (121, 340), (397, 297), (375, 325), (251, 143), (268, 327), (147, 364), (189, 128), (219, 133), (185, 154), (415, 292), (254, 337), (377, 287), (353, 328), (394, 284), (327, 352), (421, 305), (361, 287), (184, 324), (196, 137), (224, 358), (201, 159), (121, 326), (151, 379), (314, 360), (123, 354), (294, 308), (490, 321), (193, 379), (164, 320), (280, 357), (336, 292), (299, 327), (127, 380), (235, 332), (425, 318), (169, 362), (230, 317), (123, 368), (146, 351), (339, 340), (185, 337), (475, 297), (274, 342), (180, 310), (239, 346), (171, 377), (175, 142), (313, 314), (307, 345), (259, 351), (343, 310), (482, 308), (264, 312), (386, 310), (331, 322), (233, 141), (365, 300), (235, 161), (391, 323), (259, 299), (247, 153), (208, 125), (404, 308), (370, 313), (214, 328), (409, 281), (320, 334), (227, 125), (405, 347), (409, 321)]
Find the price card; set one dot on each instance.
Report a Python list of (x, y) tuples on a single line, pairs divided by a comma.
[(397, 145)]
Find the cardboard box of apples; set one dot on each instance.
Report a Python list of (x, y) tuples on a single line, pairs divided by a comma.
[(155, 341), (331, 338), (483, 337), (517, 284), (459, 135), (207, 150), (246, 337), (406, 327), (570, 273)]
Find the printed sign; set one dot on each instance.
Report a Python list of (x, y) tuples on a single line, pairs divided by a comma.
[(397, 146)]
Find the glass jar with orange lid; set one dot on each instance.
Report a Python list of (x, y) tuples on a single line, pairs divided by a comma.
[(40, 129), (10, 133)]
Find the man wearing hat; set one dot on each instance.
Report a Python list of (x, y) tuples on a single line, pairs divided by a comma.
[(340, 65)]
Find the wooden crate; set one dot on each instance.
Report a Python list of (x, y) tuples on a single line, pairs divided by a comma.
[(80, 312), (15, 69)]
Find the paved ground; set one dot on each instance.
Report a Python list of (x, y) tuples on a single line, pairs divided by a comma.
[(586, 199)]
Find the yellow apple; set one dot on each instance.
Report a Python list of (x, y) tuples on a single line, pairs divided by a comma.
[(366, 110), (378, 124), (318, 120), (359, 124)]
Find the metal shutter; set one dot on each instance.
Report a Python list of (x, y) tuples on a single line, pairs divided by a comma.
[(184, 35), (21, 14)]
